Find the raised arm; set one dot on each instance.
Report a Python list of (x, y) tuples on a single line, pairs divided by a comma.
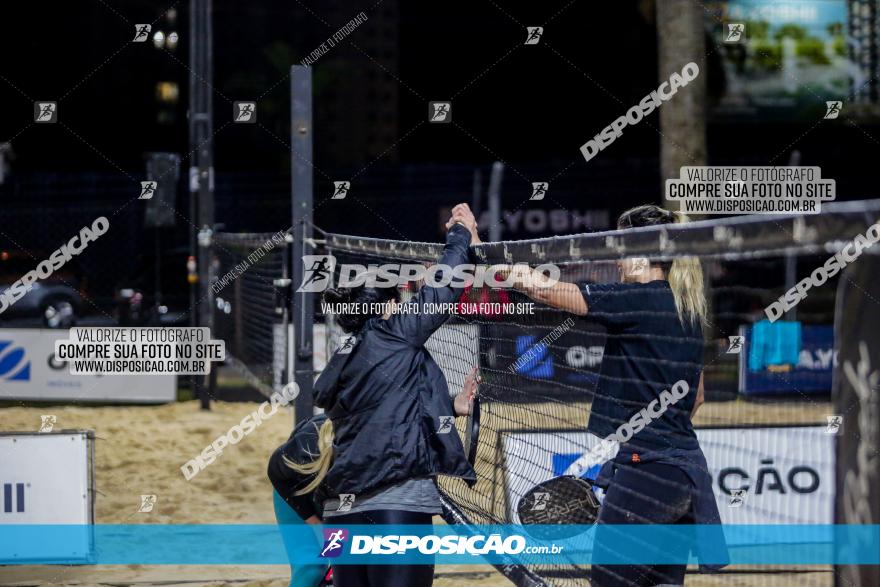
[(561, 295), (418, 325)]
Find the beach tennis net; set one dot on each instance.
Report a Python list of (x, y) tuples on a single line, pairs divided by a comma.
[(777, 442), (249, 298)]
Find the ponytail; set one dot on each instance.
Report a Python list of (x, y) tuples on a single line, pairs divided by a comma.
[(685, 275), (321, 464), (686, 281)]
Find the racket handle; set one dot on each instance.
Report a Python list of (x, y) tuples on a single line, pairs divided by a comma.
[(605, 450)]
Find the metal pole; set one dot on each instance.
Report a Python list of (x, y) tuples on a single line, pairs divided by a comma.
[(495, 201), (202, 174), (284, 307), (790, 279), (794, 159), (301, 185), (477, 195)]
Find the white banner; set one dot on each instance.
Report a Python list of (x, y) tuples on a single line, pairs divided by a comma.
[(46, 479), (454, 347), (456, 350), (29, 371), (787, 473)]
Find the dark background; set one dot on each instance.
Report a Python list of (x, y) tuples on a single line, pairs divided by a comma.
[(528, 106)]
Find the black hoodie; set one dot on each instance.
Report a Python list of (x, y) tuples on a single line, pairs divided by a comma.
[(388, 399)]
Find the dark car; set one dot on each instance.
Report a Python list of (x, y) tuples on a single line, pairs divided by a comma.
[(57, 302)]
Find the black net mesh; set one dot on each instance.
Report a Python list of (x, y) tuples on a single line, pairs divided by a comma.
[(765, 426), (249, 305)]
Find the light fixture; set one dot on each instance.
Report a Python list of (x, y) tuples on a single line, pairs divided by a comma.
[(158, 39), (168, 92)]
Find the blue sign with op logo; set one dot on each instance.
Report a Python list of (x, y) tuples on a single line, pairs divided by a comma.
[(14, 365)]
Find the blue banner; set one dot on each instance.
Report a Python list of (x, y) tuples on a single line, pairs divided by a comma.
[(766, 369), (158, 544)]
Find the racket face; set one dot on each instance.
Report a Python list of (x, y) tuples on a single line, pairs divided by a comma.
[(568, 503), (472, 431)]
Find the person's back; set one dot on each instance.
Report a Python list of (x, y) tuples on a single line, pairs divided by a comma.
[(649, 349), (650, 385), (389, 384), (387, 401)]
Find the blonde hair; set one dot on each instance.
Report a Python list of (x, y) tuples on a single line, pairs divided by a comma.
[(321, 464), (685, 274), (686, 281)]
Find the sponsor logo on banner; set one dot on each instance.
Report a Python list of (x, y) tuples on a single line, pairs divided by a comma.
[(13, 497), (30, 370), (787, 479), (562, 367), (14, 364), (45, 479)]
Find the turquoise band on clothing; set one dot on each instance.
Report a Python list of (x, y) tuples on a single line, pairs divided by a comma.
[(301, 575)]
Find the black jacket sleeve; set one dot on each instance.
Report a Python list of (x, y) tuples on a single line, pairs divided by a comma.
[(304, 506), (416, 327)]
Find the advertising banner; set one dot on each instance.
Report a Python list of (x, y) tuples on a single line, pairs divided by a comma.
[(30, 371), (46, 478), (781, 475)]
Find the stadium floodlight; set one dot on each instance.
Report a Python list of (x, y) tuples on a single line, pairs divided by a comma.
[(159, 40)]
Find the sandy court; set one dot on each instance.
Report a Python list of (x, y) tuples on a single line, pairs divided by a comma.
[(139, 450)]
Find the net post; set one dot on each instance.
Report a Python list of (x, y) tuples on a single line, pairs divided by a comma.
[(301, 185), (495, 201), (476, 194)]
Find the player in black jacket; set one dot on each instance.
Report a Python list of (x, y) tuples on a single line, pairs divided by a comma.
[(391, 415)]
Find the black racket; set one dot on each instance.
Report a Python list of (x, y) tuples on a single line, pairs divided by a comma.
[(566, 503), (472, 430)]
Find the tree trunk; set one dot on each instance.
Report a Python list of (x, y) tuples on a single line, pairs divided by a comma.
[(681, 39)]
